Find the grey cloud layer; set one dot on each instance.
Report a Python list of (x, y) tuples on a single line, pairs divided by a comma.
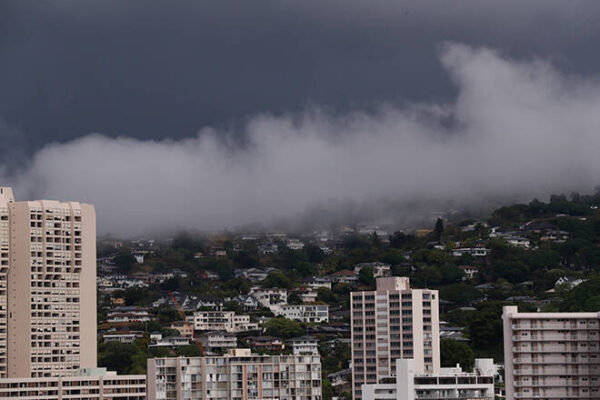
[(516, 128)]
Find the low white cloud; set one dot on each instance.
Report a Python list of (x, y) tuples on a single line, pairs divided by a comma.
[(517, 129)]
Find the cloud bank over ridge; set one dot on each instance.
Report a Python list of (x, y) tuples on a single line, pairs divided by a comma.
[(517, 128)]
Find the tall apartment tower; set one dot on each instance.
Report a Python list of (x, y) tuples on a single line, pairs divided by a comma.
[(47, 287), (551, 355), (393, 322)]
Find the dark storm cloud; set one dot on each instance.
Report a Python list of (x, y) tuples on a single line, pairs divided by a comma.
[(150, 69)]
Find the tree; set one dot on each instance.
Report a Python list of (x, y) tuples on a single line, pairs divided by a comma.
[(453, 352), (326, 389), (125, 358), (283, 327), (294, 299), (365, 276), (451, 273), (124, 260), (460, 293), (376, 241), (439, 229), (277, 279)]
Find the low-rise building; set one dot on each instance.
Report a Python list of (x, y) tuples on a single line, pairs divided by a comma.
[(449, 383), (237, 375), (343, 276), (270, 296), (88, 383), (316, 283), (226, 321), (305, 345), (128, 315), (122, 336), (265, 343), (379, 269), (473, 251), (469, 271), (218, 342), (171, 342)]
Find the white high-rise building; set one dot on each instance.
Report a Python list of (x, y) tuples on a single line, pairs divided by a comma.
[(393, 322)]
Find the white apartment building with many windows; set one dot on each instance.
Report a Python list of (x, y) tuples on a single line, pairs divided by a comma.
[(551, 355), (393, 322), (238, 375)]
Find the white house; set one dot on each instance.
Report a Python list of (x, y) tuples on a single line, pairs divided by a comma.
[(308, 313)]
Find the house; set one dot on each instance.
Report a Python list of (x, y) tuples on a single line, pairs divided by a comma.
[(557, 236), (316, 283), (117, 301), (270, 296), (308, 313), (255, 275), (124, 336), (340, 380), (265, 343), (248, 302), (218, 342), (305, 345), (294, 244), (379, 269), (268, 249), (473, 251), (128, 315), (184, 328), (343, 276), (307, 295), (139, 256), (568, 281), (171, 342), (469, 271), (518, 241)]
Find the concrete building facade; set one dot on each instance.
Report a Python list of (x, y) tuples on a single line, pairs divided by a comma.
[(47, 287), (238, 375), (89, 384), (393, 322), (227, 321), (449, 383), (551, 355)]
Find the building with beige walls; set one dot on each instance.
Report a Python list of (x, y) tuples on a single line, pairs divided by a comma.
[(238, 375), (393, 322), (551, 355), (47, 287), (89, 384)]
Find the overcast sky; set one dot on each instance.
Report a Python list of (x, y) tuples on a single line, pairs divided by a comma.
[(298, 84)]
